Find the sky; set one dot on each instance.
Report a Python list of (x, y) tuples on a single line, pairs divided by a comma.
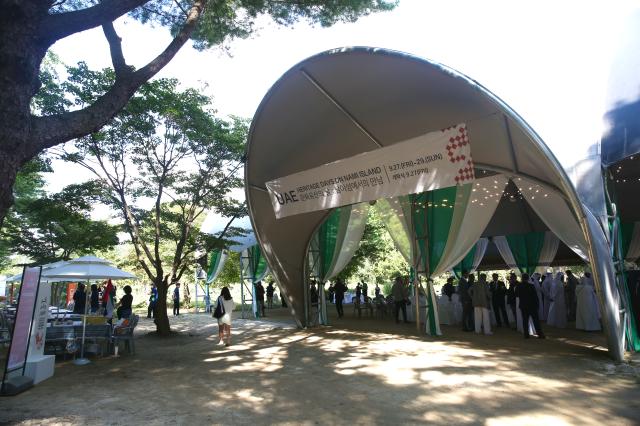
[(547, 59)]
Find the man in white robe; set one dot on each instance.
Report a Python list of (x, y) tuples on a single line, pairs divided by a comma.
[(587, 312), (557, 310), (546, 294)]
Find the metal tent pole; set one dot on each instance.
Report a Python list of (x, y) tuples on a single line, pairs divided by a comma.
[(82, 360)]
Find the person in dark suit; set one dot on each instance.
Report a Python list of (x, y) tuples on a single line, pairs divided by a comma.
[(528, 295), (340, 289), (465, 298), (448, 289), (176, 300), (498, 293)]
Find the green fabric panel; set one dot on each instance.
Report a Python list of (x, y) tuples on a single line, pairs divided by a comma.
[(327, 236), (432, 215), (633, 332), (466, 263), (626, 231), (526, 250), (213, 264), (258, 263)]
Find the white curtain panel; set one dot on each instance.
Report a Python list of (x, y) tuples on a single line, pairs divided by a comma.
[(505, 251), (548, 251), (349, 236), (472, 213), (555, 213), (397, 220), (633, 253), (481, 248)]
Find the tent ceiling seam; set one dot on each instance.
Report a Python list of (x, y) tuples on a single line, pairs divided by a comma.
[(342, 109), (512, 151)]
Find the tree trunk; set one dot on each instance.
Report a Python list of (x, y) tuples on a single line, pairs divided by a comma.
[(162, 320), (21, 53)]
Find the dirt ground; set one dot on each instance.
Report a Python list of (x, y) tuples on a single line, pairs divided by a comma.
[(358, 371)]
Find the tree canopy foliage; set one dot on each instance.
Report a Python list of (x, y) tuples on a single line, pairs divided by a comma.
[(160, 163), (28, 29)]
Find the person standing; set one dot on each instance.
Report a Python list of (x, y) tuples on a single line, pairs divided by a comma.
[(153, 299), (108, 300), (339, 289), (558, 309), (587, 312), (365, 291), (547, 284), (481, 299), (448, 289), (511, 296), (176, 300), (260, 298), (498, 293), (331, 292), (358, 293), (535, 280), (95, 299), (377, 291), (465, 298), (79, 300), (399, 293), (270, 291), (572, 283), (528, 298), (224, 322)]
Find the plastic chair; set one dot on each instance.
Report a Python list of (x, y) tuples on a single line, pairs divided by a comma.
[(126, 334)]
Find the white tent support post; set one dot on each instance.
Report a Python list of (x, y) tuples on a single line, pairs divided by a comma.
[(195, 305), (242, 278), (82, 360)]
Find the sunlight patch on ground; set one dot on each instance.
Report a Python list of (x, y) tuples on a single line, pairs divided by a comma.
[(529, 419)]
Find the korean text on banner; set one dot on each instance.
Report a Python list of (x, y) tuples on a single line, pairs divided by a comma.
[(430, 161), (20, 340)]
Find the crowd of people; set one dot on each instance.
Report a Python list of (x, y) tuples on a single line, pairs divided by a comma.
[(523, 303), (531, 300), (102, 301)]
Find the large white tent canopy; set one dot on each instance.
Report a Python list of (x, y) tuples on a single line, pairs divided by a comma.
[(348, 101)]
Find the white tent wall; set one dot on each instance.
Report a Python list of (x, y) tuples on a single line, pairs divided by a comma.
[(349, 237), (555, 213), (481, 249), (548, 251), (397, 219), (348, 101), (505, 251)]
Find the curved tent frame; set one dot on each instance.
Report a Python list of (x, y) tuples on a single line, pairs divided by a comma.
[(352, 100)]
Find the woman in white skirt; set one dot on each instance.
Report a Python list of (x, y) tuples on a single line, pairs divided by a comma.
[(224, 322)]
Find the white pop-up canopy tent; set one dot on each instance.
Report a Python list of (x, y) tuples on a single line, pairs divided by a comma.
[(86, 268), (351, 101)]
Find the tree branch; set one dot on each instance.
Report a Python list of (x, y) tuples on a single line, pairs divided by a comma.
[(61, 25), (54, 129), (115, 47)]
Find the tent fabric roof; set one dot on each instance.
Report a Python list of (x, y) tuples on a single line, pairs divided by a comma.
[(347, 101), (87, 268)]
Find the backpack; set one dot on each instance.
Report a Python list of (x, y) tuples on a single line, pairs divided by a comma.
[(219, 311)]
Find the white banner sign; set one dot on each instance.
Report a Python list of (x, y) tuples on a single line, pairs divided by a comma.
[(431, 161)]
